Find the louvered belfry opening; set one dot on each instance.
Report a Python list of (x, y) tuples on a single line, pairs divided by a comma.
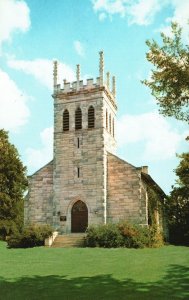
[(110, 124), (106, 119), (91, 117), (113, 127), (66, 120), (78, 118)]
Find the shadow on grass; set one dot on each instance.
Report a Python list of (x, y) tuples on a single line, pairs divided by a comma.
[(174, 285)]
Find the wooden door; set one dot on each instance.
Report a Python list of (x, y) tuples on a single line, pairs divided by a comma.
[(79, 217)]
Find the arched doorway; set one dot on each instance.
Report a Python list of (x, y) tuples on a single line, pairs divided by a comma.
[(79, 217)]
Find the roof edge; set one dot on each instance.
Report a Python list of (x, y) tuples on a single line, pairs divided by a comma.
[(51, 162), (122, 160), (153, 184)]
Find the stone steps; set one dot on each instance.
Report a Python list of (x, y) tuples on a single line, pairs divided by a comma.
[(69, 240)]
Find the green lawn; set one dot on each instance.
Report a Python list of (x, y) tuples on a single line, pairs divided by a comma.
[(76, 273)]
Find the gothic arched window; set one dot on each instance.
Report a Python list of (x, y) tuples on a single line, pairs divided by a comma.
[(91, 117), (66, 120), (78, 118)]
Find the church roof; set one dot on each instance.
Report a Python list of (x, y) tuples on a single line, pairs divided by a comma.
[(149, 180)]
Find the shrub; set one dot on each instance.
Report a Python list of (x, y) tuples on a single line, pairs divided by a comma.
[(107, 236), (123, 234), (7, 228), (31, 236), (135, 236), (156, 237)]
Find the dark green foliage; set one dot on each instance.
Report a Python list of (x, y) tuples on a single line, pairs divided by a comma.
[(178, 205), (169, 84), (123, 235), (107, 236), (182, 171), (134, 236), (157, 237), (154, 205), (169, 81), (13, 183), (8, 227), (31, 236)]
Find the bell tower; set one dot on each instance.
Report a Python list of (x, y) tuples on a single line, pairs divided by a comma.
[(84, 131)]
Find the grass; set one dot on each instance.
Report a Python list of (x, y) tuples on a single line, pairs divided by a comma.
[(86, 273)]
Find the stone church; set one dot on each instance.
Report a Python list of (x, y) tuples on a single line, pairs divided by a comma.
[(86, 183)]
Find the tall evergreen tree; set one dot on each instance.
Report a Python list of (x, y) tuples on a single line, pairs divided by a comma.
[(13, 183)]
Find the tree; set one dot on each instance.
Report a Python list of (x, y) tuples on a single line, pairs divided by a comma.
[(178, 204), (169, 81), (13, 183), (169, 84)]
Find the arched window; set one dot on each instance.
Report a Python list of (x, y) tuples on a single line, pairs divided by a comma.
[(106, 119), (113, 129), (91, 117), (110, 123), (78, 118), (66, 120)]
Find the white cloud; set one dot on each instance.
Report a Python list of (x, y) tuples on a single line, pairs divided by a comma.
[(42, 70), (36, 158), (144, 11), (140, 12), (181, 11), (180, 15), (102, 16), (79, 48), (152, 132), (109, 7), (14, 112), (14, 16)]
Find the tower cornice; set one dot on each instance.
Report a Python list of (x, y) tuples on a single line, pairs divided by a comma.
[(62, 94)]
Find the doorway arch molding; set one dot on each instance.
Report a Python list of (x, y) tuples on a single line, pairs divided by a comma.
[(69, 210), (79, 217)]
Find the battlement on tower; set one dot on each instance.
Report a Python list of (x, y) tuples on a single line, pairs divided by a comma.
[(91, 84)]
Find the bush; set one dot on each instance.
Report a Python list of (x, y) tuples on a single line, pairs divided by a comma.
[(134, 236), (7, 228), (10, 226), (107, 236), (31, 236), (156, 237), (123, 235)]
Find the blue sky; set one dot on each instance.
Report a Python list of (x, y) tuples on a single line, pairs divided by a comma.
[(33, 33)]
